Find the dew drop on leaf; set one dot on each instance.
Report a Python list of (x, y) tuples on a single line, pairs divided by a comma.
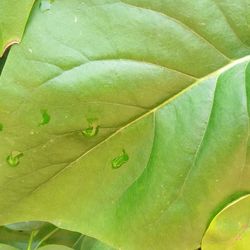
[(118, 161), (45, 5), (14, 158), (45, 118), (1, 127), (91, 131)]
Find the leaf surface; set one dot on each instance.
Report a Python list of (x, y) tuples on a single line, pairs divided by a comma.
[(230, 229), (6, 247), (127, 121), (13, 17), (55, 247)]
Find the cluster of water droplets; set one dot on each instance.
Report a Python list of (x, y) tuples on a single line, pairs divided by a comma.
[(92, 130)]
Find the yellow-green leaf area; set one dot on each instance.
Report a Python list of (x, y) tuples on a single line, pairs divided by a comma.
[(13, 18), (230, 229)]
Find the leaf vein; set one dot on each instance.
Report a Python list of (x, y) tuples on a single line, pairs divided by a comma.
[(185, 26), (71, 164), (120, 60)]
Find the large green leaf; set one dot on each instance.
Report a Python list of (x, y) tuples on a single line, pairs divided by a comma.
[(13, 18), (127, 120), (231, 228)]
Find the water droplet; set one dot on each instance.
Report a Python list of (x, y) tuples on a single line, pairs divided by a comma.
[(45, 5), (14, 158), (118, 161), (45, 118), (91, 131), (75, 19), (1, 127), (30, 50)]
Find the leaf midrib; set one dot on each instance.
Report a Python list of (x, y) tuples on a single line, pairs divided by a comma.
[(217, 72), (164, 103)]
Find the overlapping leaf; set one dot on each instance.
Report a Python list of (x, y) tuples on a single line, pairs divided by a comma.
[(13, 17), (230, 229), (127, 120), (36, 235)]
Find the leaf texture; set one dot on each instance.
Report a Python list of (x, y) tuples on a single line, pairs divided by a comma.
[(230, 228), (157, 89), (13, 17)]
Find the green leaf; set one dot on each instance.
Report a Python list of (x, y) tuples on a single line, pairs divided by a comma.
[(36, 234), (89, 243), (167, 85), (43, 234), (13, 17), (230, 229), (18, 239), (55, 247), (26, 226), (6, 247)]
